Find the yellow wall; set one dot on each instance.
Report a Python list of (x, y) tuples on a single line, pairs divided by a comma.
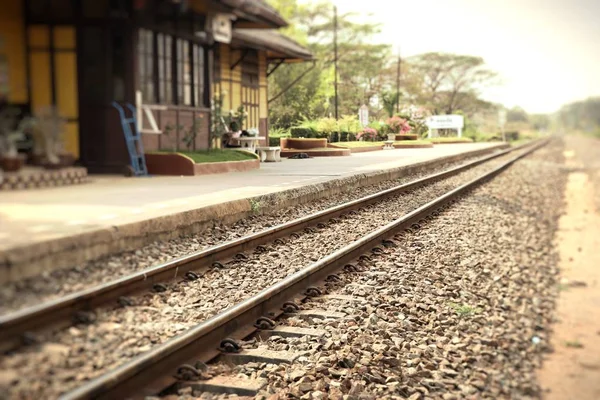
[(12, 49), (262, 81), (231, 85), (65, 76), (236, 79)]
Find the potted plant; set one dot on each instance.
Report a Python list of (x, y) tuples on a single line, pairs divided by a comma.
[(235, 119), (52, 126), (10, 159)]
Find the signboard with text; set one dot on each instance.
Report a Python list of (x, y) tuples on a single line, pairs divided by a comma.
[(456, 122), (363, 115), (446, 122)]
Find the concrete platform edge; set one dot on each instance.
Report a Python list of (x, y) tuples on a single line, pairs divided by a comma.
[(29, 260)]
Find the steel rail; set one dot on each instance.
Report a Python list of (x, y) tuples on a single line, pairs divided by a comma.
[(164, 359), (61, 311)]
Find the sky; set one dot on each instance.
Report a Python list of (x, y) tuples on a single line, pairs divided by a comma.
[(547, 52)]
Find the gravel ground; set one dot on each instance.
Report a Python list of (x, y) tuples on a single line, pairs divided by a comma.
[(459, 309), (37, 289), (63, 361)]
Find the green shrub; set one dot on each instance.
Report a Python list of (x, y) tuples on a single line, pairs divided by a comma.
[(327, 126), (347, 137), (350, 124), (279, 132), (299, 132), (274, 141), (306, 129)]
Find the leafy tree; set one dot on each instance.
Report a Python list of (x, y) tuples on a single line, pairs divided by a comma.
[(360, 63), (581, 115), (448, 82), (390, 102)]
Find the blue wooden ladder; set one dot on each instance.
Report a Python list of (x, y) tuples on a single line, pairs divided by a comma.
[(133, 139)]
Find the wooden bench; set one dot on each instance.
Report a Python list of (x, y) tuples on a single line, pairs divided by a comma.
[(269, 153)]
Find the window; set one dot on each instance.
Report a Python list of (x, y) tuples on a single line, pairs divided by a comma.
[(198, 74), (184, 73), (146, 66), (165, 68), (171, 70), (250, 70)]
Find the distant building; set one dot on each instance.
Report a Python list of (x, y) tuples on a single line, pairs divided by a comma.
[(81, 55)]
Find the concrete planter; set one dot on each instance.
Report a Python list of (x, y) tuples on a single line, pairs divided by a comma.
[(405, 136), (302, 144), (12, 164), (179, 164)]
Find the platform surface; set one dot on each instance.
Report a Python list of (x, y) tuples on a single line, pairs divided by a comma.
[(32, 216)]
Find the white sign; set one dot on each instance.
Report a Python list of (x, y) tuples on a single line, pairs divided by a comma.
[(221, 28), (445, 122), (501, 118), (363, 115)]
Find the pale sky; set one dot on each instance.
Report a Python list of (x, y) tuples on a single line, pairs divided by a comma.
[(547, 52)]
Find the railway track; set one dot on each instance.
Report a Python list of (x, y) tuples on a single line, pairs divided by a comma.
[(235, 322)]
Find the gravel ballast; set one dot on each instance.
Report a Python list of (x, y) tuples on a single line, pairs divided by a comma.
[(32, 291), (69, 357), (461, 308)]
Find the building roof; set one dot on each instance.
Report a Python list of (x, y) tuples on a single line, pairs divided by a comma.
[(255, 14), (277, 46)]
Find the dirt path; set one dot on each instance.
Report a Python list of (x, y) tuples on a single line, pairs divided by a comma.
[(573, 370)]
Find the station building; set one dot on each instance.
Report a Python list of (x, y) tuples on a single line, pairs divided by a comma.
[(81, 55)]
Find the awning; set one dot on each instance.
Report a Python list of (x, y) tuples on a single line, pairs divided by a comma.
[(255, 14), (276, 45)]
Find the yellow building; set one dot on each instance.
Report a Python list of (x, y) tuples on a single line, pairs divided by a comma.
[(82, 55)]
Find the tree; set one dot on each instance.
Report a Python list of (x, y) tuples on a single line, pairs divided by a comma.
[(360, 64), (390, 101), (581, 115), (448, 82)]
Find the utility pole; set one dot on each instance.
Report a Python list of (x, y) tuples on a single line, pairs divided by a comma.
[(398, 82), (335, 59)]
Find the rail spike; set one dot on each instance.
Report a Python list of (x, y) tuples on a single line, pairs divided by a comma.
[(159, 288), (289, 307), (313, 291), (350, 268), (84, 317), (265, 323), (125, 301), (191, 276), (229, 345), (188, 372)]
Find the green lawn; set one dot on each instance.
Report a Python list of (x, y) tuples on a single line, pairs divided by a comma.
[(351, 145), (217, 155)]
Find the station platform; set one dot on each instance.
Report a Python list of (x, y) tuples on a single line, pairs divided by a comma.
[(43, 228)]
